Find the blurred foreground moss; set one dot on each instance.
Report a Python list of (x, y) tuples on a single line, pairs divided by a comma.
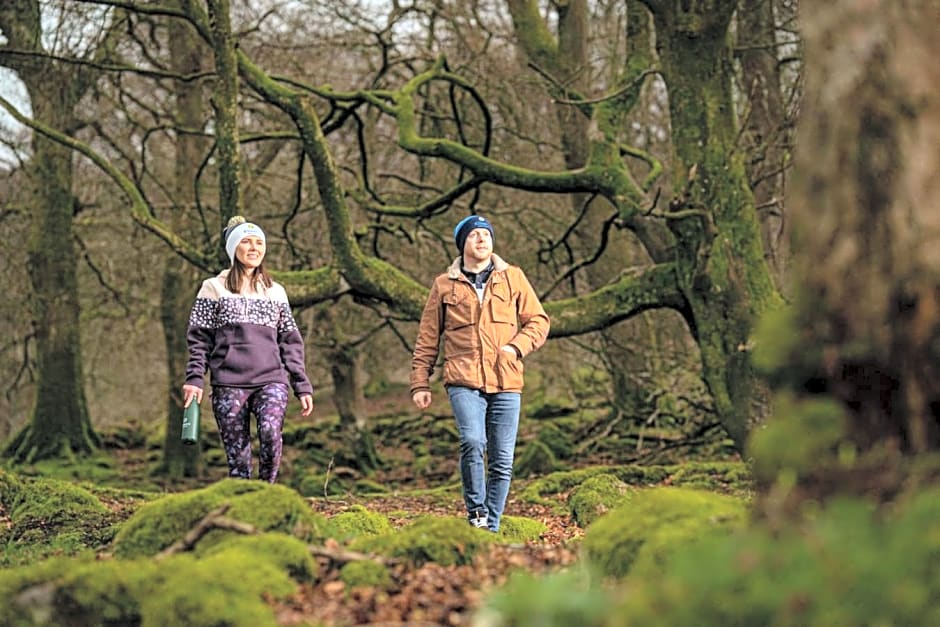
[(843, 563)]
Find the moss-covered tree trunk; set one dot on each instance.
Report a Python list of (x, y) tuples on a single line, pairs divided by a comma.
[(722, 272), (180, 280), (564, 57), (225, 104), (60, 425), (767, 137), (866, 215)]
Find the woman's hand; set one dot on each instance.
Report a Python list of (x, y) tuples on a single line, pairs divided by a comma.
[(306, 405), (189, 393)]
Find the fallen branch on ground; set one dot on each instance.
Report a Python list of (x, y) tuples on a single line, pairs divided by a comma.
[(217, 520)]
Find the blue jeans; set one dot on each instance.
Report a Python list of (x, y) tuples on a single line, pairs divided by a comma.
[(488, 424)]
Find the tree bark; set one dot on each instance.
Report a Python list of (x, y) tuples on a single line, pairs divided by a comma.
[(766, 135), (60, 425), (722, 273), (867, 219), (180, 281)]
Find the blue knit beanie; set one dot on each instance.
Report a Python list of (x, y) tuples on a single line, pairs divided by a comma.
[(463, 228)]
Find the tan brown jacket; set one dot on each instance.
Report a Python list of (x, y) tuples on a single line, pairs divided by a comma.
[(474, 332)]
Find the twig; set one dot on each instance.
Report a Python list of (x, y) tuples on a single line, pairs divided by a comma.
[(342, 556), (212, 520), (216, 520), (326, 481)]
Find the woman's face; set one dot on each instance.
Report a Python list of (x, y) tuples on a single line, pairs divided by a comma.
[(250, 251)]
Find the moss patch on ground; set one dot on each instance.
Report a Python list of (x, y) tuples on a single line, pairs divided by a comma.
[(656, 522), (446, 541), (159, 524)]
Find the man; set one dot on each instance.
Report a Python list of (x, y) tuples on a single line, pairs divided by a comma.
[(490, 318)]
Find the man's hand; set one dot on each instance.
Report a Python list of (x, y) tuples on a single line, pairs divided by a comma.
[(306, 405), (422, 399), (512, 350)]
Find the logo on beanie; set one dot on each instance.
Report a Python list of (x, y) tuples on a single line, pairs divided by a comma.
[(465, 226)]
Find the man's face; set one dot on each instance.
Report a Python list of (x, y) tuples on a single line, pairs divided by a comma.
[(479, 245)]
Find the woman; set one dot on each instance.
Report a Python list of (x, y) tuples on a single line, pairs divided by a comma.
[(242, 331)]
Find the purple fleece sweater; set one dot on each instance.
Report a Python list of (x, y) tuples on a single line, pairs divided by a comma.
[(244, 340)]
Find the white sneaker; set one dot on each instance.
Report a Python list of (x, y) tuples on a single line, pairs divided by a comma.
[(478, 520)]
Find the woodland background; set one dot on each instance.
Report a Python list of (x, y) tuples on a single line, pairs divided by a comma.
[(729, 209)]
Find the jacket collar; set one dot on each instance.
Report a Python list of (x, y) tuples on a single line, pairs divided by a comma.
[(453, 272)]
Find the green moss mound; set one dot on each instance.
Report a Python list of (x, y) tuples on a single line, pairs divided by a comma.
[(285, 552), (656, 522), (597, 496), (520, 529), (49, 516), (74, 591), (562, 599), (228, 586), (366, 573), (158, 524), (359, 521), (231, 586), (726, 477), (844, 565), (446, 541)]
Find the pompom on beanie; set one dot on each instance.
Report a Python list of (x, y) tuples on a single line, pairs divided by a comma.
[(236, 230), (465, 226)]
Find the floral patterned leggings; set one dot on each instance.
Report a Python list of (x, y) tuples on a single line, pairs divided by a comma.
[(232, 408)]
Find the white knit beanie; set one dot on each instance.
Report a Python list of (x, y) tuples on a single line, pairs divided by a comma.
[(237, 234)]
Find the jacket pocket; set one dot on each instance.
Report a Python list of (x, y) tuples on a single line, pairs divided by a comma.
[(457, 311), (509, 371)]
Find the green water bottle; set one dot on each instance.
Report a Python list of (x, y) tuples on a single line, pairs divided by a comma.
[(191, 423)]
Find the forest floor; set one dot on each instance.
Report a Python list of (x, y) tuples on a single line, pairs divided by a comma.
[(428, 594)]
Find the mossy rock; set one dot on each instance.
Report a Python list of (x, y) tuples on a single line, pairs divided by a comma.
[(728, 477), (359, 521), (446, 541), (228, 588), (232, 586), (595, 497), (845, 563), (75, 591), (520, 529), (563, 481), (366, 573), (285, 552), (557, 483), (267, 507), (49, 512), (656, 522)]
